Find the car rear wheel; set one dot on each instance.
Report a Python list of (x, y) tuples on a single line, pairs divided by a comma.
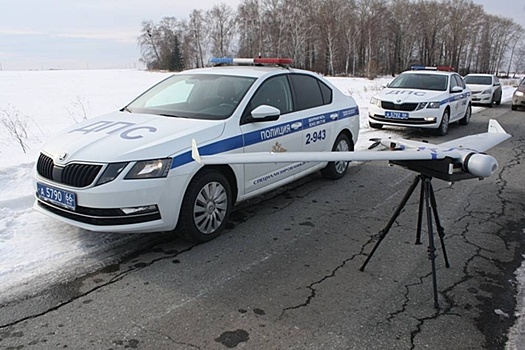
[(336, 170), (442, 130), (466, 119), (206, 207)]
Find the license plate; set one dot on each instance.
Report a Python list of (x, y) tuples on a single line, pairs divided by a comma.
[(396, 115), (56, 196)]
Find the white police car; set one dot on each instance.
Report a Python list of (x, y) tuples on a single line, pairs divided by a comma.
[(132, 171), (424, 97)]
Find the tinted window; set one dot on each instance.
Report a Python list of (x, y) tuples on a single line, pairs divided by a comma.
[(326, 92), (273, 92), (307, 92), (458, 81)]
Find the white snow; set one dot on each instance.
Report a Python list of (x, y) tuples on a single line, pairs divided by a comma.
[(36, 250)]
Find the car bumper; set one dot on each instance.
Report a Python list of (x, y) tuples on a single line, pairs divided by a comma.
[(484, 99), (150, 205), (426, 118)]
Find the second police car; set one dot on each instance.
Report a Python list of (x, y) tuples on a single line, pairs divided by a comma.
[(424, 97), (132, 171)]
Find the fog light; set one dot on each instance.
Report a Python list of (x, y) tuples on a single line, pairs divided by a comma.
[(135, 210), (430, 119)]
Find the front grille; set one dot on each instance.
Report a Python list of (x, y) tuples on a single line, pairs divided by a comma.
[(408, 107), (75, 174), (44, 166), (410, 121)]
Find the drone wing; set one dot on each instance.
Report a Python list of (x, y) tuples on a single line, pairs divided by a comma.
[(399, 150), (286, 157), (479, 142)]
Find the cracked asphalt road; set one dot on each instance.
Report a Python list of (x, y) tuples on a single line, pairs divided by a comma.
[(286, 273)]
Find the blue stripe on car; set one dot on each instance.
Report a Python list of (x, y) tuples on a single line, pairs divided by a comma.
[(454, 98), (269, 133)]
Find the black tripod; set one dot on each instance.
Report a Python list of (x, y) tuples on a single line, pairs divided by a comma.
[(426, 200)]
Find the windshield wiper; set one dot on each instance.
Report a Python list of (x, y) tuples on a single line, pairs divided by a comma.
[(171, 115)]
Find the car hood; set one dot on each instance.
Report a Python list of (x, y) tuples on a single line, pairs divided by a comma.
[(477, 87), (121, 136), (410, 95)]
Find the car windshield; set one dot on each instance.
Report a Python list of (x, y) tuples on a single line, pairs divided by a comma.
[(196, 96), (420, 81), (478, 80)]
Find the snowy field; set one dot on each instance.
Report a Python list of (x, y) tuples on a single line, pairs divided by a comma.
[(36, 250)]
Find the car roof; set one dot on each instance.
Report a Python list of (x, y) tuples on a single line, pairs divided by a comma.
[(425, 71), (245, 71), (480, 75)]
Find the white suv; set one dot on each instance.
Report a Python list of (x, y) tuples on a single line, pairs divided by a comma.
[(132, 171), (425, 97)]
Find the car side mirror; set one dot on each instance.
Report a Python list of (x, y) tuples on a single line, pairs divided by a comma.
[(265, 113), (456, 89)]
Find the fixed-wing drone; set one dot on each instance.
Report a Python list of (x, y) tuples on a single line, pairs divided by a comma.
[(463, 156), (458, 159)]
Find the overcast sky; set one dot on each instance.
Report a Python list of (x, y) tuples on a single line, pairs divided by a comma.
[(80, 34)]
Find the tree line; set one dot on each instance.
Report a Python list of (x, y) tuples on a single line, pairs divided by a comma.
[(340, 37)]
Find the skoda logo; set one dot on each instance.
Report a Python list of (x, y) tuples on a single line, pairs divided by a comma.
[(62, 156), (398, 101)]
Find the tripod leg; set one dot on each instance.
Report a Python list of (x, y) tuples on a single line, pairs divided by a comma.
[(392, 220), (431, 247), (441, 230), (420, 215)]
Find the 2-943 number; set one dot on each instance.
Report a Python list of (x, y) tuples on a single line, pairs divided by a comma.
[(315, 136)]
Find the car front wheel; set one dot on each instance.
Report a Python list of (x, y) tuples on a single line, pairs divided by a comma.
[(442, 130), (336, 170), (206, 207), (491, 104), (498, 101)]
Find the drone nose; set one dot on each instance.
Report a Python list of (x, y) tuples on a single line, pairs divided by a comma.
[(480, 165)]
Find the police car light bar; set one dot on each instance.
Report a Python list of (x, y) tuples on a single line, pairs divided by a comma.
[(250, 61), (440, 68), (262, 60)]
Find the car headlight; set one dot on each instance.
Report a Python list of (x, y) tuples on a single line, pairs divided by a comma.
[(518, 93), (375, 101), (150, 169), (488, 91), (423, 105), (111, 172)]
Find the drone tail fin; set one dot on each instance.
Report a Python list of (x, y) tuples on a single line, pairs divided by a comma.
[(495, 127), (195, 152)]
